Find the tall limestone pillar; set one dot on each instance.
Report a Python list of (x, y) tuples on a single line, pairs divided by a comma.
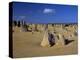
[(59, 40), (45, 41)]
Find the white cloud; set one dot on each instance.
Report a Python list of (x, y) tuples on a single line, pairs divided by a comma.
[(47, 10)]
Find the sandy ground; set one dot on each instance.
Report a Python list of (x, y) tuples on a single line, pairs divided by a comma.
[(26, 44)]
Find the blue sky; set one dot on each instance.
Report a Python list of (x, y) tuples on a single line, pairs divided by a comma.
[(45, 13)]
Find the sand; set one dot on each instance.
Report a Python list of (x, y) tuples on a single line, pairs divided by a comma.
[(26, 44)]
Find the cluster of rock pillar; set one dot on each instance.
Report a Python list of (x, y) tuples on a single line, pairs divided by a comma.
[(25, 27), (50, 38)]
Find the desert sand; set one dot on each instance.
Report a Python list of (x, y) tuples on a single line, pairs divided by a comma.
[(26, 44)]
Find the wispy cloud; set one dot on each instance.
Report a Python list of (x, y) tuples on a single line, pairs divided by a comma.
[(22, 17), (19, 17), (48, 10)]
